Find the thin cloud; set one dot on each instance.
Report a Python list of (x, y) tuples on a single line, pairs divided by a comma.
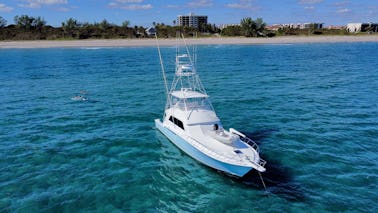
[(341, 3), (344, 10), (310, 1), (137, 7), (5, 8), (172, 6), (242, 4), (130, 5), (309, 8), (64, 9), (341, 7), (130, 1), (200, 3), (40, 3), (113, 4)]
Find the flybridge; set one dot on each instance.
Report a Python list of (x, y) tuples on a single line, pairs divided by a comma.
[(186, 93), (186, 83)]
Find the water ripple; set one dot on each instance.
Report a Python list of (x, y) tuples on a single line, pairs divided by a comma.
[(311, 107)]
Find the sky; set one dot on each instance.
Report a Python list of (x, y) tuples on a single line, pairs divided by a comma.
[(145, 12)]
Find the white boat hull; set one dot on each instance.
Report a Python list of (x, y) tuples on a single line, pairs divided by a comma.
[(232, 169)]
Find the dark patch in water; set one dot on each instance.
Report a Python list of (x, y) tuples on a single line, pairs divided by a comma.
[(278, 180), (259, 135), (277, 177)]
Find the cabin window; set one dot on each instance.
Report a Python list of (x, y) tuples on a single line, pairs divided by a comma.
[(177, 122)]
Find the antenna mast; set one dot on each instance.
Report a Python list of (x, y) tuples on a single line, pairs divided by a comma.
[(162, 68)]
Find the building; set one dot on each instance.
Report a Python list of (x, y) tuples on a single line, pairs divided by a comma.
[(274, 27), (302, 26), (222, 26), (150, 31), (362, 27), (315, 26), (335, 27), (191, 20)]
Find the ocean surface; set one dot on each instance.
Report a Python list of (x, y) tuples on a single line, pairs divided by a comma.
[(313, 109)]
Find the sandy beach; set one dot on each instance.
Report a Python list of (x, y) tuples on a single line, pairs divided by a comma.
[(169, 42)]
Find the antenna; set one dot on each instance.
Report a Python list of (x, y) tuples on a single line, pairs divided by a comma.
[(187, 49), (162, 67)]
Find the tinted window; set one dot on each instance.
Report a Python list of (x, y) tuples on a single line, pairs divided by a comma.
[(177, 122)]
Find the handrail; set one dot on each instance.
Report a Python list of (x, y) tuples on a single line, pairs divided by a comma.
[(250, 142), (232, 130), (258, 165), (200, 146), (245, 139)]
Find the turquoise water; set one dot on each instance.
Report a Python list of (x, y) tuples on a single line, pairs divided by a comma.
[(313, 108)]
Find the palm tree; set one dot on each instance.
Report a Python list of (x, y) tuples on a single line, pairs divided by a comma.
[(3, 22), (251, 27), (248, 26), (126, 24), (39, 23), (260, 26), (104, 24), (70, 26), (24, 21)]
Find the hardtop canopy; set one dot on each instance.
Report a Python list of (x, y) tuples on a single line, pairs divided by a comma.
[(186, 94)]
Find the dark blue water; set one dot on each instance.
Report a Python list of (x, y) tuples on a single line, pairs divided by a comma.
[(313, 108)]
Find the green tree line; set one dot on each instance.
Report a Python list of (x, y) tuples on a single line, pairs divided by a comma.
[(306, 32), (248, 28), (257, 28), (168, 31), (35, 28)]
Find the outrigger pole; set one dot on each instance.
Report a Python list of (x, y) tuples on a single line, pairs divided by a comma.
[(162, 69)]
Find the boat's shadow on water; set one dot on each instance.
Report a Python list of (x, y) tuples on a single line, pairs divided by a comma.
[(277, 178)]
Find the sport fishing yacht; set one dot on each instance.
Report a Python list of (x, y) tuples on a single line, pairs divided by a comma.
[(191, 123)]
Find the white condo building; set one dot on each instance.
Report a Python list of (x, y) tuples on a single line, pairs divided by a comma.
[(362, 27), (191, 20)]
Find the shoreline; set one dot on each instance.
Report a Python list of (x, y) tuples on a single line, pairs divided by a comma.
[(172, 41)]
